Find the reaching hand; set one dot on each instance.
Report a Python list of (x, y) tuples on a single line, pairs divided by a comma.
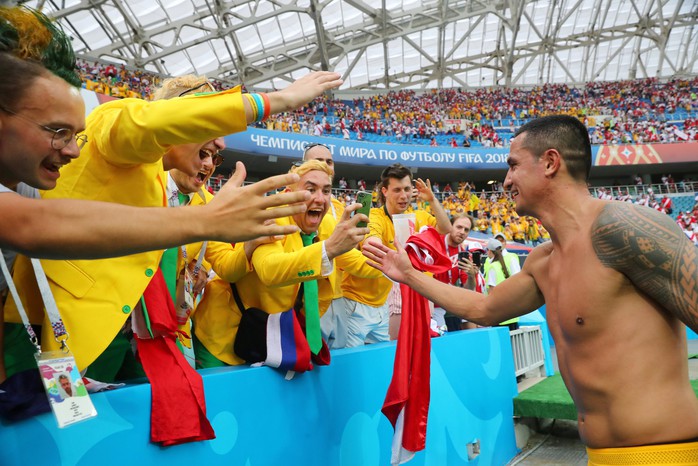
[(395, 265), (346, 234), (424, 190), (304, 90), (200, 279), (239, 213)]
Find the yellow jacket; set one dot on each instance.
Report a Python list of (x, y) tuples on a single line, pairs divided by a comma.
[(227, 261), (337, 210), (279, 269), (122, 163)]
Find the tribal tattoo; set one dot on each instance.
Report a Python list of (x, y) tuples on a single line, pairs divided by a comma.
[(653, 252)]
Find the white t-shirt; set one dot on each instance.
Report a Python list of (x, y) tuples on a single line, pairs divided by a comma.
[(9, 255)]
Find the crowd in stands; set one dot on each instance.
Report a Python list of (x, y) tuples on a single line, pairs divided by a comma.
[(119, 81), (640, 111), (494, 211), (623, 112)]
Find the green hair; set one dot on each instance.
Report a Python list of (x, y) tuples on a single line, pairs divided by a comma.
[(30, 35)]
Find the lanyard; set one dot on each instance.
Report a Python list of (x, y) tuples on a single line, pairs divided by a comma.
[(450, 282), (173, 201), (49, 303), (385, 209)]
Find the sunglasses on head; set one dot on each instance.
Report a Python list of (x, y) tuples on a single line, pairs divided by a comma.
[(192, 89), (313, 144)]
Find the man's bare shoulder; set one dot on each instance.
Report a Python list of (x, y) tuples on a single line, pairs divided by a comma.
[(619, 222), (539, 254), (652, 251)]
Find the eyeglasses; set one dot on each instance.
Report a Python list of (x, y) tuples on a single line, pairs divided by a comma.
[(216, 158), (205, 83), (61, 136)]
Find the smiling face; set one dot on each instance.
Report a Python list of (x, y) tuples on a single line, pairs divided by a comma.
[(190, 158), (26, 153), (319, 185), (525, 179), (398, 194), (192, 184)]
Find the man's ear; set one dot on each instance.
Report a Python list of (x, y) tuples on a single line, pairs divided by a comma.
[(552, 160)]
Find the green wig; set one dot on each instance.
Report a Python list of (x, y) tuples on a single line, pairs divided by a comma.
[(30, 35)]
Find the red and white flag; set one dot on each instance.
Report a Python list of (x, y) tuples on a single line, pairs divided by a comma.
[(406, 403)]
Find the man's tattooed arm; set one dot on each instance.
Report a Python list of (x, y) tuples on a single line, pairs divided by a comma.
[(653, 252)]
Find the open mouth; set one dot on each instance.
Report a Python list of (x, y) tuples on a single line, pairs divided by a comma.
[(53, 166), (315, 214), (201, 176)]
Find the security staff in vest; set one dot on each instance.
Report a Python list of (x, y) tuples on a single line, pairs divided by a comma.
[(511, 259)]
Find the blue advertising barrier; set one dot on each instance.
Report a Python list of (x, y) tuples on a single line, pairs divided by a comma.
[(330, 416), (284, 144)]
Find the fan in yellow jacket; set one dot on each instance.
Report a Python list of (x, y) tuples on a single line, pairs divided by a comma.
[(280, 267), (131, 143), (366, 300)]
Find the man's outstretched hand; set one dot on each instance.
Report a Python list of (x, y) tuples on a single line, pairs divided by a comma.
[(240, 213), (395, 265)]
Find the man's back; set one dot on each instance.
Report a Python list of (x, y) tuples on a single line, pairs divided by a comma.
[(623, 356)]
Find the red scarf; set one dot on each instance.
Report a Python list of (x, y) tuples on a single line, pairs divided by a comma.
[(406, 403), (178, 407)]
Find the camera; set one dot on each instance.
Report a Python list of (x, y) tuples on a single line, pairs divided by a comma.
[(477, 258)]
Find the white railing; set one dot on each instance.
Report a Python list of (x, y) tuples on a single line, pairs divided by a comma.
[(527, 345)]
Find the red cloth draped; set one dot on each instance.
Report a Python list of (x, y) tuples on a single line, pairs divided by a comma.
[(178, 407), (408, 393)]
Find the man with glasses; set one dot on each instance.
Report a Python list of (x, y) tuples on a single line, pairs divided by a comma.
[(130, 145), (41, 113)]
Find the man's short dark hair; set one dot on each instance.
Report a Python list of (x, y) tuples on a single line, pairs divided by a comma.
[(31, 45), (18, 76), (397, 171), (564, 133)]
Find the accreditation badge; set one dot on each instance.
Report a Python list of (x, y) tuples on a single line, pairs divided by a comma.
[(185, 297), (64, 387), (189, 295)]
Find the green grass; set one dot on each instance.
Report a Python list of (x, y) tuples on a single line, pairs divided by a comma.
[(549, 399)]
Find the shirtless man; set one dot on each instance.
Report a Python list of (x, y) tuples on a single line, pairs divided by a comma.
[(617, 323)]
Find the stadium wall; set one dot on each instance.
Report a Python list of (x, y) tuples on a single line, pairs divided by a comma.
[(328, 417)]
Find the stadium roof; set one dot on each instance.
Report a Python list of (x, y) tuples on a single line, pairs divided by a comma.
[(390, 43)]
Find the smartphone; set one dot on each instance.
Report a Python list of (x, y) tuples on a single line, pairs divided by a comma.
[(366, 200), (477, 258), (463, 255)]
